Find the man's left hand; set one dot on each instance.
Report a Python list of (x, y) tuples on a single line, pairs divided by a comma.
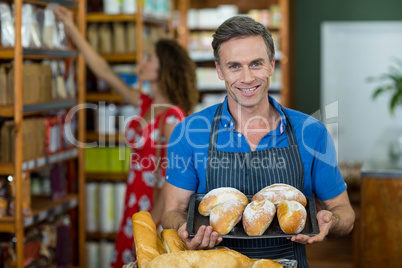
[(325, 220)]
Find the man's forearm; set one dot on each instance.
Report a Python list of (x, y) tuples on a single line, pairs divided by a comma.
[(344, 218), (173, 219)]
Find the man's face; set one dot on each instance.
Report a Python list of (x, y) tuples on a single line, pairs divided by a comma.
[(246, 69)]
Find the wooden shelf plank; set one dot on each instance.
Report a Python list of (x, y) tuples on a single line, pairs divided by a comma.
[(37, 108), (99, 96), (66, 3), (8, 168), (107, 176), (38, 53), (6, 53), (150, 20), (93, 136), (99, 235), (42, 208), (102, 17), (125, 57)]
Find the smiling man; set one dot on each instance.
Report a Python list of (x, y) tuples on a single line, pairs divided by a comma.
[(249, 142)]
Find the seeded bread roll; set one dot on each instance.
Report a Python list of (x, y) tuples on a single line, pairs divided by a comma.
[(257, 217), (279, 192), (226, 215), (291, 216), (218, 196)]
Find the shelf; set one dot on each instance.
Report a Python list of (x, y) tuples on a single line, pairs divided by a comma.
[(7, 168), (31, 109), (6, 53), (66, 3), (125, 57), (99, 236), (99, 96), (42, 208), (151, 20), (102, 17), (107, 176), (37, 53), (93, 136)]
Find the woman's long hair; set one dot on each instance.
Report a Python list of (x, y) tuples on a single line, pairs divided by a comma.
[(177, 77)]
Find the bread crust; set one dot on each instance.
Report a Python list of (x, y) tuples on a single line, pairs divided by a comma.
[(218, 196), (257, 217), (172, 241), (225, 216), (146, 238), (291, 216), (201, 258), (279, 192)]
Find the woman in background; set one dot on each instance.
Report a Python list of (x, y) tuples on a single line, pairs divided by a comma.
[(171, 75)]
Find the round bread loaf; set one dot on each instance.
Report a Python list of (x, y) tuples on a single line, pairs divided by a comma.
[(226, 215), (291, 216), (218, 196), (279, 192), (257, 217)]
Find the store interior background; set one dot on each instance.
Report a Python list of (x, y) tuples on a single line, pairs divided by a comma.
[(336, 46)]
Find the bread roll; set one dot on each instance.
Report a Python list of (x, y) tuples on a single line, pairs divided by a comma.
[(172, 241), (201, 258), (279, 192), (226, 215), (218, 196), (145, 237), (257, 217), (291, 216), (265, 263)]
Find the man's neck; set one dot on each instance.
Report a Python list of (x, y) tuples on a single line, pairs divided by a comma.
[(260, 116)]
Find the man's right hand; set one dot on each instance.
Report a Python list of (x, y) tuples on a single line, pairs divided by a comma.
[(205, 238)]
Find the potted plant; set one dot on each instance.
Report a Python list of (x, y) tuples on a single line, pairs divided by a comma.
[(393, 84)]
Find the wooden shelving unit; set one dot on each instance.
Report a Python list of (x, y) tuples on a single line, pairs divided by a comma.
[(115, 138), (37, 108), (43, 208), (99, 236), (120, 177), (100, 96)]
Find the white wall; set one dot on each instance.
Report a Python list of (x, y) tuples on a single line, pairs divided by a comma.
[(351, 52)]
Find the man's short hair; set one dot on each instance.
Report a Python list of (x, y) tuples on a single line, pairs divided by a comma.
[(241, 26)]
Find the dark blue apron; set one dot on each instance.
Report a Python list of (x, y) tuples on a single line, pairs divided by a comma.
[(285, 167)]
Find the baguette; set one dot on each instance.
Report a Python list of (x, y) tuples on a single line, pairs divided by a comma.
[(257, 217), (291, 216), (226, 215), (172, 241), (279, 192), (201, 258), (218, 196), (145, 237)]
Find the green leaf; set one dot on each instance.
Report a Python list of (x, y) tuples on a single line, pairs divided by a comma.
[(394, 101)]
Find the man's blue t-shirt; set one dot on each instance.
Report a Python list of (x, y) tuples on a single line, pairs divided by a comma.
[(188, 150)]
